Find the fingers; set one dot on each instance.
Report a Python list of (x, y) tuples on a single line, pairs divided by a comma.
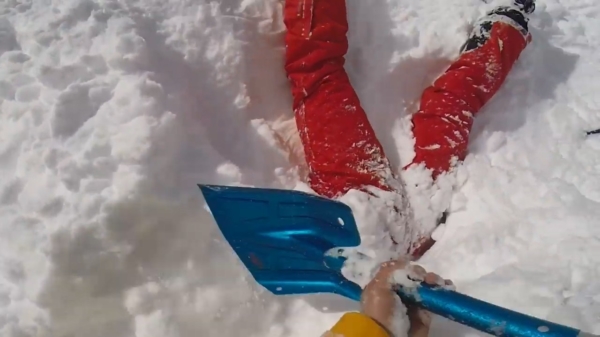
[(435, 279), (389, 267), (384, 274), (418, 271)]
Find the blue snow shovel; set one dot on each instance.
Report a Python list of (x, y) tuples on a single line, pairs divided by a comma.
[(290, 240)]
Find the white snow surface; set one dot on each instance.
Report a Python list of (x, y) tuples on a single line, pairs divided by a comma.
[(112, 111)]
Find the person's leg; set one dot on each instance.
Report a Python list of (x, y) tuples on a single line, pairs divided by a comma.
[(342, 151), (441, 127)]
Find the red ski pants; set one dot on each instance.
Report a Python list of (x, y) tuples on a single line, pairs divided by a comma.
[(341, 148)]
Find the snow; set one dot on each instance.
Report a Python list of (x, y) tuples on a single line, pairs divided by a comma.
[(112, 111)]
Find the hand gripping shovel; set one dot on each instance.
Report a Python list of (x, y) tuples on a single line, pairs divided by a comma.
[(288, 240)]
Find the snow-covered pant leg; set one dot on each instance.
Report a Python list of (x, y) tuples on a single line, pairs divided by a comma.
[(442, 125), (341, 148)]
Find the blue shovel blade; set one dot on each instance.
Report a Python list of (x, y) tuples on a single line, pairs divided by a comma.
[(283, 238)]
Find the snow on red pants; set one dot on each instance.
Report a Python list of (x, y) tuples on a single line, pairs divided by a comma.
[(441, 126), (341, 148)]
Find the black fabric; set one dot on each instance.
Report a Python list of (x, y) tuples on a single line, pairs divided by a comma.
[(516, 15), (481, 32), (528, 6)]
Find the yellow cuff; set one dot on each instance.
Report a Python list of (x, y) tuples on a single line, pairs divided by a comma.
[(354, 324)]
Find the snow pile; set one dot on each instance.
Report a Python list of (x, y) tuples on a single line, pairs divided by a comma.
[(111, 112)]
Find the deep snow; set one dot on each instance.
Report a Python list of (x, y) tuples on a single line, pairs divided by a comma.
[(112, 111)]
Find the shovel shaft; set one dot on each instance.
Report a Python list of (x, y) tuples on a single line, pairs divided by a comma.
[(483, 316)]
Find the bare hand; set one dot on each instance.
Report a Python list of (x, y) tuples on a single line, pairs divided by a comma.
[(378, 299)]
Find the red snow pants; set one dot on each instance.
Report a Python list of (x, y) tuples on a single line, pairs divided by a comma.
[(341, 148)]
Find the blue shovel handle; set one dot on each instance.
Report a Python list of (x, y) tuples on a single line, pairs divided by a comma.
[(481, 315)]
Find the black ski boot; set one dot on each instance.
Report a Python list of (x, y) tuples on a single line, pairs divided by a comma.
[(517, 14), (527, 6)]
